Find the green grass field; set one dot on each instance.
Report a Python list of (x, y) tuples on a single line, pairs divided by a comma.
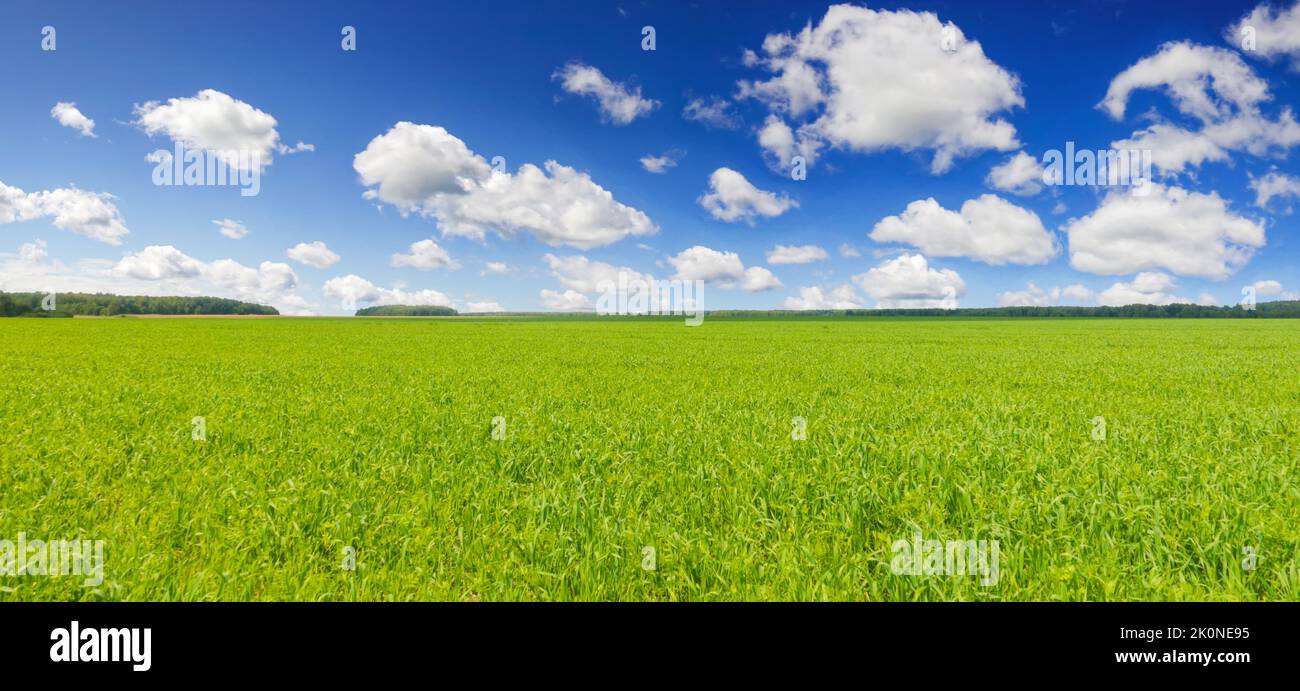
[(376, 435)]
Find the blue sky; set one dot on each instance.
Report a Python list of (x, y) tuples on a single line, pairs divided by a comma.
[(532, 85)]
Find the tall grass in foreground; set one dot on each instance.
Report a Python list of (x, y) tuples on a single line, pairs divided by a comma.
[(620, 435)]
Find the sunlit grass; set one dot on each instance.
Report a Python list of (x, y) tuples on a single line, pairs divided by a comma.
[(376, 434)]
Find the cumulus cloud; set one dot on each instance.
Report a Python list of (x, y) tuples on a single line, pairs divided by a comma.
[(619, 104), (498, 268), (423, 169), (1076, 294), (1275, 30), (231, 229), (1021, 174), (1213, 86), (316, 254), (780, 145), (842, 297), (355, 290), (1269, 287), (157, 262), (1148, 288), (1274, 185), (1033, 296), (867, 80), (712, 112), (583, 275), (908, 282), (569, 300), (156, 270), (217, 123), (1188, 233), (758, 278), (733, 198), (485, 306), (700, 263), (988, 229), (661, 164), (1175, 149), (847, 250), (91, 214), (425, 255), (269, 283), (69, 116), (33, 252), (802, 254), (1202, 81)]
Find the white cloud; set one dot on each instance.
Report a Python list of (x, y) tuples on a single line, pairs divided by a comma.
[(157, 262), (1076, 294), (1174, 149), (296, 148), (1274, 185), (569, 300), (91, 214), (1268, 287), (33, 252), (1202, 81), (713, 112), (1211, 85), (486, 306), (1276, 32), (842, 297), (618, 104), (585, 276), (217, 123), (69, 116), (661, 164), (701, 263), (989, 229), (1021, 174), (424, 169), (175, 272), (267, 282), (1147, 288), (1184, 232), (411, 166), (874, 80), (847, 250), (316, 254), (1033, 296), (231, 229), (758, 278), (158, 271), (425, 255), (498, 268), (908, 282), (802, 254), (733, 198), (360, 291)]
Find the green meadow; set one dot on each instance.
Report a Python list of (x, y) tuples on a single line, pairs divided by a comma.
[(357, 459)]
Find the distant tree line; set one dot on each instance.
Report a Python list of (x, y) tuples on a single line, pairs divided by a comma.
[(1277, 309), (406, 311), (108, 305), (1263, 310)]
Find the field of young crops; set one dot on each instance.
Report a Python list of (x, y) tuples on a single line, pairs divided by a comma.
[(372, 440)]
